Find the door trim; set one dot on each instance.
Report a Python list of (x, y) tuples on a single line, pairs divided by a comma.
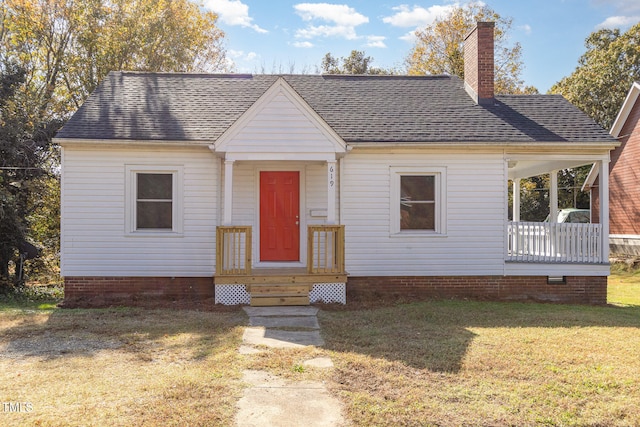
[(281, 167)]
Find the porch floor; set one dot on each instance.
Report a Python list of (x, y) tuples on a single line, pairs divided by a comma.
[(280, 276)]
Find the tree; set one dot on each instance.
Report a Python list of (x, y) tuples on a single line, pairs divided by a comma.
[(53, 54), (439, 48), (605, 72), (355, 63), (67, 47), (24, 152)]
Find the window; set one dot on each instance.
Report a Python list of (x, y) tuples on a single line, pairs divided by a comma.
[(418, 201), (153, 202)]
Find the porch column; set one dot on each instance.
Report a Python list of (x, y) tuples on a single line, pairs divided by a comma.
[(331, 191), (228, 192), (553, 196), (516, 200), (603, 195)]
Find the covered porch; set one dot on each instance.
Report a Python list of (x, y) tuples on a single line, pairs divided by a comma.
[(322, 279), (279, 241), (551, 242)]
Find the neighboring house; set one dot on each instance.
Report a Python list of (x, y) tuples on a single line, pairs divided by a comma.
[(624, 179), (290, 189)]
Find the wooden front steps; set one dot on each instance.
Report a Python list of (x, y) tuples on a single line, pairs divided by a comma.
[(263, 295), (279, 286)]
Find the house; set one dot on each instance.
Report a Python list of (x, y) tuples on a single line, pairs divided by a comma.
[(624, 179), (295, 189)]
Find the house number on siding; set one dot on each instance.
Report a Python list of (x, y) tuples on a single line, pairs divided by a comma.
[(331, 182)]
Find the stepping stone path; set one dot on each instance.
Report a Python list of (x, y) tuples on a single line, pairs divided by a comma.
[(273, 401), (265, 324)]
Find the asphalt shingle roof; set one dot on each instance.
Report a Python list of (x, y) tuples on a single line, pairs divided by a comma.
[(393, 109)]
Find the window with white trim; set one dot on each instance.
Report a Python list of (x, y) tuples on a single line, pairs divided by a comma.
[(418, 201), (153, 199)]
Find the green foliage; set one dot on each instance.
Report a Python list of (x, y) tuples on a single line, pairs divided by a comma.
[(66, 48), (41, 297), (439, 48), (605, 72), (534, 194), (53, 54), (355, 63), (25, 154)]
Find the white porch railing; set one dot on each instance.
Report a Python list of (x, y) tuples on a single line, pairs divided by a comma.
[(554, 242)]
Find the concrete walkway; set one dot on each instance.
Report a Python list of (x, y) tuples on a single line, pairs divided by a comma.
[(273, 401)]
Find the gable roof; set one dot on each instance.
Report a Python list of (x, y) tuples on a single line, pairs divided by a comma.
[(281, 106), (625, 110), (621, 119), (199, 108)]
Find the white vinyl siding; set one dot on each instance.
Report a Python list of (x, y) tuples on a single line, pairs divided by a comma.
[(280, 127), (475, 214), (95, 241)]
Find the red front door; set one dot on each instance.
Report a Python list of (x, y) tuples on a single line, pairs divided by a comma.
[(279, 216)]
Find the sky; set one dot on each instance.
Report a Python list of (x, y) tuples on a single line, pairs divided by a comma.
[(279, 36)]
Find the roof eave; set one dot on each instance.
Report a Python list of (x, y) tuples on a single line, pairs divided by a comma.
[(133, 142), (511, 144), (625, 110)]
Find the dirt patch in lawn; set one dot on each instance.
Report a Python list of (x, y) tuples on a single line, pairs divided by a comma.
[(120, 367)]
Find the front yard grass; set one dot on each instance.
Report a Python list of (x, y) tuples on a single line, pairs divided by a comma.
[(119, 367), (470, 363), (445, 363), (624, 286)]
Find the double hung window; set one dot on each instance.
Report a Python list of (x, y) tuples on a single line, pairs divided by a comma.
[(153, 199), (418, 201)]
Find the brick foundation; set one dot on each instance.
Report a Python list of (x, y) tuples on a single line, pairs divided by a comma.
[(575, 290), (199, 292), (181, 292)]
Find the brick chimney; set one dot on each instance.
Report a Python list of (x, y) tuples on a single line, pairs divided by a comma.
[(478, 62)]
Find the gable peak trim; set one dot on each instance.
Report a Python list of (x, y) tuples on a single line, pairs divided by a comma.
[(280, 86), (625, 110)]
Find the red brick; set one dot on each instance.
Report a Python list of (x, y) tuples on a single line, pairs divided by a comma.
[(581, 290)]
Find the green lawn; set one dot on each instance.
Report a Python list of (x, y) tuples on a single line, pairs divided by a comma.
[(624, 287), (445, 363)]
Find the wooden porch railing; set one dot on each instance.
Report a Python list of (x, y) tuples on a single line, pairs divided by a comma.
[(554, 242), (233, 250), (325, 250)]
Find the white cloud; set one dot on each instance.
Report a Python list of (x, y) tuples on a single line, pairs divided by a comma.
[(340, 14), (376, 41), (304, 45), (417, 16), (626, 13), (233, 12), (618, 22), (311, 32), (623, 6), (341, 20), (526, 28), (242, 55), (409, 37)]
